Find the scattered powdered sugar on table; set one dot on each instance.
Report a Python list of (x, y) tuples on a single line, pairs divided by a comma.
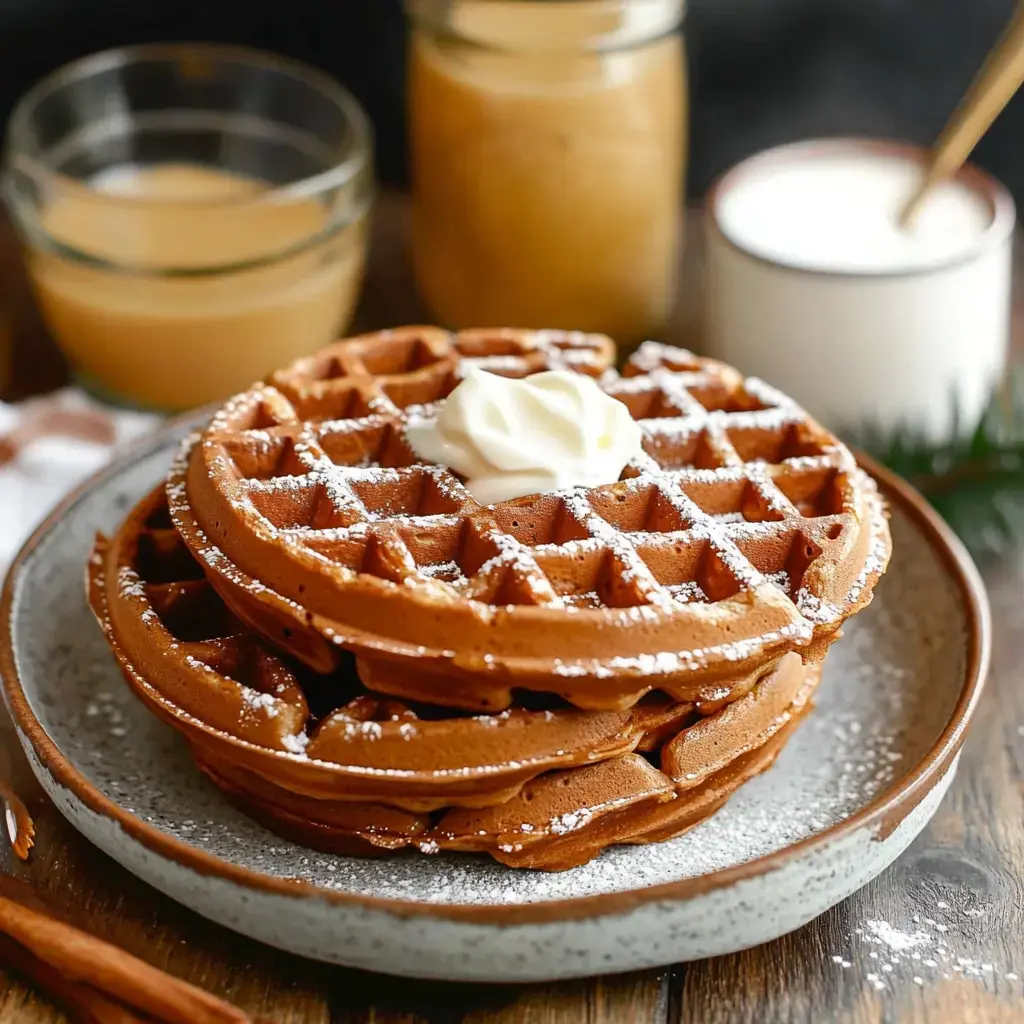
[(920, 952)]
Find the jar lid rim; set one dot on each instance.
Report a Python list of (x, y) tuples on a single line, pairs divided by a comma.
[(587, 25)]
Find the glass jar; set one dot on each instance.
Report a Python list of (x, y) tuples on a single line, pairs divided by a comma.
[(192, 216), (548, 143)]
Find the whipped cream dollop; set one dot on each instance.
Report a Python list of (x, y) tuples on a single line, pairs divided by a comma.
[(509, 438)]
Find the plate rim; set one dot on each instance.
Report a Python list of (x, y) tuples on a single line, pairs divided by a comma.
[(882, 815)]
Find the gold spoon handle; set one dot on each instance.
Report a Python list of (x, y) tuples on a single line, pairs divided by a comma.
[(999, 78)]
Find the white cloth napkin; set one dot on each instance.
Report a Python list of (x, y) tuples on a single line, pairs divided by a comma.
[(50, 461)]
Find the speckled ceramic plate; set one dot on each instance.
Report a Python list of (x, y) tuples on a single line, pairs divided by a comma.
[(853, 787)]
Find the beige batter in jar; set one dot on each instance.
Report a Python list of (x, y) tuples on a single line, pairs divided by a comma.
[(171, 341), (548, 143), (194, 218)]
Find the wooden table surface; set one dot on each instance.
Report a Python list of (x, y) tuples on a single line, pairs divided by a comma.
[(939, 937)]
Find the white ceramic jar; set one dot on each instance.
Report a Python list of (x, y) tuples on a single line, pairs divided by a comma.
[(813, 286)]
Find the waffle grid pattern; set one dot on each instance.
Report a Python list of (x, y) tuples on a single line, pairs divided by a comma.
[(737, 489), (331, 719), (629, 781)]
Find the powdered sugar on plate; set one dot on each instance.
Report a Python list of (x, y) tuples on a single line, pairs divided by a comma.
[(889, 687)]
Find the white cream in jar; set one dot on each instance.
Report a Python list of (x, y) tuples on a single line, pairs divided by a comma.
[(813, 285)]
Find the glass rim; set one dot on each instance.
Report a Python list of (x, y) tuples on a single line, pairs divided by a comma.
[(984, 185), (639, 24), (350, 164)]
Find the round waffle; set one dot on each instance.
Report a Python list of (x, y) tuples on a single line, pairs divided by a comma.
[(744, 532), (323, 760)]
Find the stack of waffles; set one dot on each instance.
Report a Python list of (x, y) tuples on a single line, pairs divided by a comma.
[(366, 659)]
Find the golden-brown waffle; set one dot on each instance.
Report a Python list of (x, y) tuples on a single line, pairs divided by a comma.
[(745, 530), (323, 760)]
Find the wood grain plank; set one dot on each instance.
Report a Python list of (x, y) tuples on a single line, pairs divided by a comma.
[(99, 896), (625, 999), (958, 894), (638, 998), (961, 884)]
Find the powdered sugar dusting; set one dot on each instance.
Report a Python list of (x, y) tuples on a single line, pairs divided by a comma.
[(296, 744), (889, 688), (570, 822), (923, 951), (255, 700), (332, 498), (897, 941)]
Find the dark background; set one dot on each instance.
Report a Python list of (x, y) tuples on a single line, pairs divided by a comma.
[(762, 71)]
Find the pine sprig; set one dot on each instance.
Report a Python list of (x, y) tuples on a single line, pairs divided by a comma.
[(976, 482)]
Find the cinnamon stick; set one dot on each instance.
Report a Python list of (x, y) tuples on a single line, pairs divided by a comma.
[(83, 1004), (82, 958)]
